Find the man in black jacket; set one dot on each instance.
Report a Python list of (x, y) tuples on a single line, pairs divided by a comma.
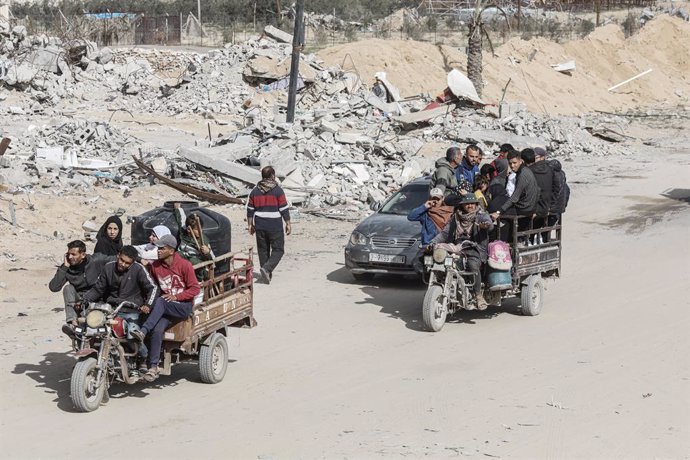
[(125, 279), (543, 174), (523, 201), (79, 272)]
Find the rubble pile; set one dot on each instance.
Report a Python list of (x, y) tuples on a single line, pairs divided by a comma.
[(349, 145)]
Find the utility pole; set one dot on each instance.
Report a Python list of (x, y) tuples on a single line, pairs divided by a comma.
[(198, 16), (297, 45)]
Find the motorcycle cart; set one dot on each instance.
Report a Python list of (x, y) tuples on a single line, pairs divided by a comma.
[(536, 255), (105, 354)]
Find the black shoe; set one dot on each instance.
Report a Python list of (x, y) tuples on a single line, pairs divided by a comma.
[(138, 335), (266, 275), (68, 330)]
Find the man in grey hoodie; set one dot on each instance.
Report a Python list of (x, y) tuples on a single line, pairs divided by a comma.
[(444, 176)]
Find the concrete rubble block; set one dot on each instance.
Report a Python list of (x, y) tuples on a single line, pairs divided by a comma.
[(423, 116), (509, 109), (50, 157), (318, 181), (360, 171), (497, 137), (327, 126), (90, 226), (105, 55), (293, 185), (20, 32), (345, 137), (277, 34), (46, 58), (160, 165), (84, 134), (19, 75), (375, 195), (237, 171)]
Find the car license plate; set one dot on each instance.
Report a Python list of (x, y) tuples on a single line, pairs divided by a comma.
[(386, 258)]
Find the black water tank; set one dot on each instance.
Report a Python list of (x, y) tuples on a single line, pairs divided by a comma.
[(216, 226)]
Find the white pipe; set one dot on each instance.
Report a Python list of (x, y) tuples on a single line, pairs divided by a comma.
[(630, 79)]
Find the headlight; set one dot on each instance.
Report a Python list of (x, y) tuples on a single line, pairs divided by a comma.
[(448, 262), (428, 260), (358, 239), (95, 318), (440, 255)]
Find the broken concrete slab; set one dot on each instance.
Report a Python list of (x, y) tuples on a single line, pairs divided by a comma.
[(423, 116), (237, 171), (277, 34), (490, 136), (46, 58)]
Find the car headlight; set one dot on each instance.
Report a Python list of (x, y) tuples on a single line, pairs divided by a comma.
[(95, 318), (357, 238), (440, 255)]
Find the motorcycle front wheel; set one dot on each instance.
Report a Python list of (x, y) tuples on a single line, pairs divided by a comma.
[(434, 309), (85, 395)]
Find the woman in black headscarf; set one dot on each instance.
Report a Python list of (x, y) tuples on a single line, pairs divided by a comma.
[(109, 237)]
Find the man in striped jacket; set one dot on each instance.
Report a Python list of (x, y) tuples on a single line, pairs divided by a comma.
[(267, 208)]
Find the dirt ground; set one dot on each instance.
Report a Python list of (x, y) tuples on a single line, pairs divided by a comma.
[(337, 369)]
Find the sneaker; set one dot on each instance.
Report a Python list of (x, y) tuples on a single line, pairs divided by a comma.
[(68, 330), (138, 335), (266, 275), (152, 374), (481, 302)]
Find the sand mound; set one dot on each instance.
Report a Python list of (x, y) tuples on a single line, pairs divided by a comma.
[(603, 59), (414, 67)]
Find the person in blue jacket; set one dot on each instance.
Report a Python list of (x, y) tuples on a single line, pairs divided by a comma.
[(468, 168), (432, 214)]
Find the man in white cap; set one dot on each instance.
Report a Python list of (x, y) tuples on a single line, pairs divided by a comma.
[(432, 214)]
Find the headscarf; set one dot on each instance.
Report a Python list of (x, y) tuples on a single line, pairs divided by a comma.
[(440, 214), (465, 221), (104, 244), (161, 230)]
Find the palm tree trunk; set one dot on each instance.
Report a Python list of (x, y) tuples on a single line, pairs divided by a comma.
[(474, 56)]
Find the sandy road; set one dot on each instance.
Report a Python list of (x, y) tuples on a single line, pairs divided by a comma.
[(342, 370)]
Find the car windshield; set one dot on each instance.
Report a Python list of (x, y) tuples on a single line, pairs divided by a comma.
[(406, 199)]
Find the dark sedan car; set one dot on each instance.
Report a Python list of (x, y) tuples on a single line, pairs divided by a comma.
[(386, 242)]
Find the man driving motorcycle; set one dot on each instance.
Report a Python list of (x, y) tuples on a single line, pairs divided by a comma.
[(125, 279), (468, 223)]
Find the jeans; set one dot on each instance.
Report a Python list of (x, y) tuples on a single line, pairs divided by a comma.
[(271, 247), (71, 296), (133, 324), (474, 265), (162, 315)]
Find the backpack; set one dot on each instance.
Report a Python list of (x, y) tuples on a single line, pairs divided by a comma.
[(499, 255)]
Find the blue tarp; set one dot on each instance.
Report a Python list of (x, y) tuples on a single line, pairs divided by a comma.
[(110, 15)]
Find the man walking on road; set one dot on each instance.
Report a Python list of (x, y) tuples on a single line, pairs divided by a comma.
[(267, 208)]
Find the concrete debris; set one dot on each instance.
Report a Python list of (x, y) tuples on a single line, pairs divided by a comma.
[(349, 146), (278, 34)]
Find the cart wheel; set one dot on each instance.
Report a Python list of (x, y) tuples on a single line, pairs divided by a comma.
[(213, 359), (434, 309), (532, 296)]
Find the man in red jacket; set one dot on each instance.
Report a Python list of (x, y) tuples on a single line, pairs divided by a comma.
[(179, 285)]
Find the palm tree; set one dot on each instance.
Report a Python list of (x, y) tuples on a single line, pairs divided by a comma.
[(474, 44)]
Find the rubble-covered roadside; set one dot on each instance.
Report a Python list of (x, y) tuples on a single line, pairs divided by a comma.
[(348, 145)]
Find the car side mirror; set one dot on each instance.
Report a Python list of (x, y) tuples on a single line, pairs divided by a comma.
[(375, 205)]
